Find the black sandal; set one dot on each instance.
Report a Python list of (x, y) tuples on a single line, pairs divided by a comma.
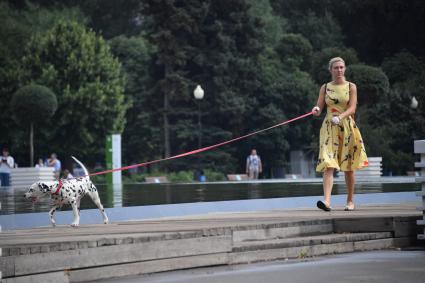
[(320, 204)]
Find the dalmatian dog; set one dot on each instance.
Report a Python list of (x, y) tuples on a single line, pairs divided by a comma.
[(67, 192)]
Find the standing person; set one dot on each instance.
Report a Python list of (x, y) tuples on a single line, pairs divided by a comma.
[(253, 165), (40, 163), (55, 162), (341, 144), (7, 162), (67, 175)]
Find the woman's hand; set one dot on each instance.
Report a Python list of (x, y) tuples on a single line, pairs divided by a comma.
[(336, 120), (316, 111)]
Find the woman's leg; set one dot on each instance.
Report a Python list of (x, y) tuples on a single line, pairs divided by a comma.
[(350, 181), (328, 181)]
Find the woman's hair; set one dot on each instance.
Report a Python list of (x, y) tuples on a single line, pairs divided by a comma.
[(335, 59)]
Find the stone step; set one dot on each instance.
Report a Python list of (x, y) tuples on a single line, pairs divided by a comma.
[(136, 248), (310, 250), (46, 240), (308, 241)]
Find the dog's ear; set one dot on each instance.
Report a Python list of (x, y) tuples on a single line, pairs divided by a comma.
[(43, 187)]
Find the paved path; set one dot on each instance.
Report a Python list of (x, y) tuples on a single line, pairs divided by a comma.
[(380, 266), (194, 223)]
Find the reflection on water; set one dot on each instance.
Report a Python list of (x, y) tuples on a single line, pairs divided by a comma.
[(13, 200)]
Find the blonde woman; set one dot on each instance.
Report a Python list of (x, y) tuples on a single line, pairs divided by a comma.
[(341, 144)]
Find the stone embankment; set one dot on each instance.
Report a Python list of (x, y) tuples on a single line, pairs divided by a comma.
[(95, 252)]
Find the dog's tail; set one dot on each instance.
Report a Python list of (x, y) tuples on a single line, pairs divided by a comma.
[(86, 173)]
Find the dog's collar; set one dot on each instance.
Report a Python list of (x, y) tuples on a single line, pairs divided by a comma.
[(58, 187)]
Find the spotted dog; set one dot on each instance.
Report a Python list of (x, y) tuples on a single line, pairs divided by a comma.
[(67, 192)]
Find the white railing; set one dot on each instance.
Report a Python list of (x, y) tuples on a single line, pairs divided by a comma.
[(25, 176), (419, 148), (373, 170)]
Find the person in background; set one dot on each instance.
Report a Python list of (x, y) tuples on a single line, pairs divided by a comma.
[(6, 163), (55, 162), (202, 177), (253, 165), (67, 175), (40, 163)]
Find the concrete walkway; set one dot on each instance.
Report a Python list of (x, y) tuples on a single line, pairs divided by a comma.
[(196, 223), (94, 252)]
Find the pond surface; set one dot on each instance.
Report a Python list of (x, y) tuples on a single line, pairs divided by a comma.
[(13, 201)]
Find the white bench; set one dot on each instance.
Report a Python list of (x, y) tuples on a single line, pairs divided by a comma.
[(25, 176), (237, 177), (157, 180), (373, 170), (419, 148)]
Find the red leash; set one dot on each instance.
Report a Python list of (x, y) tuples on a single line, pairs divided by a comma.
[(200, 149)]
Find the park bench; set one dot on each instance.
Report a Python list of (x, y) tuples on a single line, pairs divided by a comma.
[(157, 180), (25, 176), (237, 177)]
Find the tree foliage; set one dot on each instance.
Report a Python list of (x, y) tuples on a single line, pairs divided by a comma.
[(372, 83), (295, 51), (33, 104), (78, 66), (260, 62)]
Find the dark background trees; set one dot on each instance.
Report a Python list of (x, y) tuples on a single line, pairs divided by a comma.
[(131, 67)]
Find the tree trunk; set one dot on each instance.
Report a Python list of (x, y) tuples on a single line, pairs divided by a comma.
[(166, 127), (167, 150), (31, 144)]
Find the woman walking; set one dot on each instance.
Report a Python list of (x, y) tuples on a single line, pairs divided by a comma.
[(341, 144)]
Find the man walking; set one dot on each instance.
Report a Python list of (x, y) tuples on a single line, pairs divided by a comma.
[(253, 165)]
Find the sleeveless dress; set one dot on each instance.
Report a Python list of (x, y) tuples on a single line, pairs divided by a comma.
[(341, 146)]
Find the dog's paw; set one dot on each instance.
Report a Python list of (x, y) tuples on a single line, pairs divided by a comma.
[(106, 222), (74, 225)]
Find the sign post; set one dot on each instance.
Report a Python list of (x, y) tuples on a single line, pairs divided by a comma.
[(113, 158)]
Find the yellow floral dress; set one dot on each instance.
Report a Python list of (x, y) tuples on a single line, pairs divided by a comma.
[(341, 146)]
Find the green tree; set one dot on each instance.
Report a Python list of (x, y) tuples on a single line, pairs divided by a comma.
[(141, 137), (78, 66), (286, 93), (33, 104), (322, 31), (372, 83), (402, 67), (17, 25), (275, 26), (215, 44), (295, 51), (172, 26)]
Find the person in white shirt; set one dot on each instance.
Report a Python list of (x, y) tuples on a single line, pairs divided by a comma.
[(67, 175), (56, 163), (6, 163), (40, 163), (253, 165)]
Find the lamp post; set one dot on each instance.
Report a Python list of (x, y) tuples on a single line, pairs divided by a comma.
[(414, 105), (199, 94)]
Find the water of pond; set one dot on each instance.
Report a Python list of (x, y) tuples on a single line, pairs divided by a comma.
[(13, 201)]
